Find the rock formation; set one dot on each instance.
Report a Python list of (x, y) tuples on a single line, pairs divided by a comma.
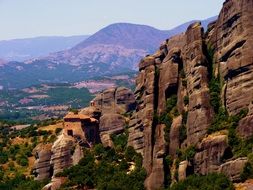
[(195, 81), (43, 168), (112, 104), (183, 67), (232, 38), (53, 158)]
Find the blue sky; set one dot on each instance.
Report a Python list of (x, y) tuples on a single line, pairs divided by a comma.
[(30, 18)]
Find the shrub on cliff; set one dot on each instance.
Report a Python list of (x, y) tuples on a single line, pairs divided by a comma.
[(247, 172), (120, 141), (208, 182), (171, 103), (3, 157), (105, 168), (21, 182)]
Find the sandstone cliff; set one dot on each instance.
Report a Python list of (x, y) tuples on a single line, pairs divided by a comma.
[(182, 91), (192, 109), (112, 104)]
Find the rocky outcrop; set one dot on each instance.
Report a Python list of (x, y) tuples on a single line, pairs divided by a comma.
[(52, 159), (233, 169), (210, 153), (42, 167), (245, 128), (136, 136), (62, 152), (174, 144), (247, 185), (141, 124), (110, 124), (115, 100), (108, 107), (185, 67), (158, 80), (182, 170)]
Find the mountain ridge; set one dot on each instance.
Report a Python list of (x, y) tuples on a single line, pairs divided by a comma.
[(28, 48), (95, 56), (141, 38)]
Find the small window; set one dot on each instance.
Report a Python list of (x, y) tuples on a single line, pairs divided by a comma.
[(70, 133)]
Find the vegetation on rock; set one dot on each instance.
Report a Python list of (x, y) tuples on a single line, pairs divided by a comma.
[(107, 168)]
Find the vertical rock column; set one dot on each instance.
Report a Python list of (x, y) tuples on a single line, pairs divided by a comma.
[(144, 134), (200, 112)]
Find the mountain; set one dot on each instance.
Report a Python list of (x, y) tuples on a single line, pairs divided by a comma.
[(115, 49), (28, 48), (119, 45), (2, 62), (182, 28)]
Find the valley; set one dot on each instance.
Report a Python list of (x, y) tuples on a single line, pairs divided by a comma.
[(48, 100)]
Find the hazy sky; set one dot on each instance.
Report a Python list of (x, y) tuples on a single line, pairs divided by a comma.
[(29, 18)]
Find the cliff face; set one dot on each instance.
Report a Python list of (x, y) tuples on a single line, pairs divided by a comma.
[(112, 104), (182, 89), (192, 109), (232, 39)]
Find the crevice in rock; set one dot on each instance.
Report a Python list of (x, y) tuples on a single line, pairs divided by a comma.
[(171, 90), (208, 51), (115, 100), (51, 171), (228, 54), (166, 170), (233, 73), (231, 21), (190, 170), (228, 154), (155, 103), (225, 95)]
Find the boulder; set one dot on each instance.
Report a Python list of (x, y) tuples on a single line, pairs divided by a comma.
[(210, 154), (233, 169), (247, 185), (182, 170)]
